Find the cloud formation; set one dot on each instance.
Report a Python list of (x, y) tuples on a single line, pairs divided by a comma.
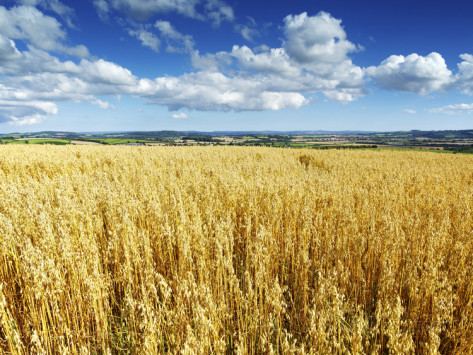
[(454, 109), (147, 38), (31, 25), (176, 41), (319, 38), (8, 51), (24, 112), (464, 77), (273, 60), (313, 59), (414, 73), (28, 94), (250, 30), (206, 91), (239, 80), (214, 11), (64, 11)]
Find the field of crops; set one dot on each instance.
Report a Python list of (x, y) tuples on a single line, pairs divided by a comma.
[(150, 250)]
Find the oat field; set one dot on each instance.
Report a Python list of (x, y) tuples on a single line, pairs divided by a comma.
[(222, 250)]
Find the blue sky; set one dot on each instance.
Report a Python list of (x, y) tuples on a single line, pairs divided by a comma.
[(111, 65)]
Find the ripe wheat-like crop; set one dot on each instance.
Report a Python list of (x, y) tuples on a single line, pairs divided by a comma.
[(201, 250)]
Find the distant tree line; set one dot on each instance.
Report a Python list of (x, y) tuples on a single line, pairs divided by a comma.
[(203, 139)]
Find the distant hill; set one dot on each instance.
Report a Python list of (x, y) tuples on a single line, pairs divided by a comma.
[(453, 134), (166, 134)]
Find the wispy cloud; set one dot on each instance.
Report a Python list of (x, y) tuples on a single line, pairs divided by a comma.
[(176, 41), (248, 31), (457, 109), (213, 11), (147, 38)]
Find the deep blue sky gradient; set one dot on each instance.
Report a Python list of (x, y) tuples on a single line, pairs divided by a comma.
[(382, 28)]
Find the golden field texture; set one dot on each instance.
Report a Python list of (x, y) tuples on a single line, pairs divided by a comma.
[(206, 250)]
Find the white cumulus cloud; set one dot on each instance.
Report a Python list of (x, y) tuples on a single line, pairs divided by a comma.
[(31, 88), (104, 72), (8, 51), (206, 91), (414, 73), (31, 25), (314, 58), (34, 118), (239, 80), (56, 6), (24, 112), (319, 38), (275, 60), (464, 77)]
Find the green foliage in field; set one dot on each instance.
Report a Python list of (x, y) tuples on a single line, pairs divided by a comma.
[(9, 141), (35, 141), (113, 141), (49, 141), (468, 149)]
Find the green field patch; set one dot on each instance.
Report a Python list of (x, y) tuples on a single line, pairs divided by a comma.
[(11, 141), (114, 141), (35, 141), (48, 141)]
